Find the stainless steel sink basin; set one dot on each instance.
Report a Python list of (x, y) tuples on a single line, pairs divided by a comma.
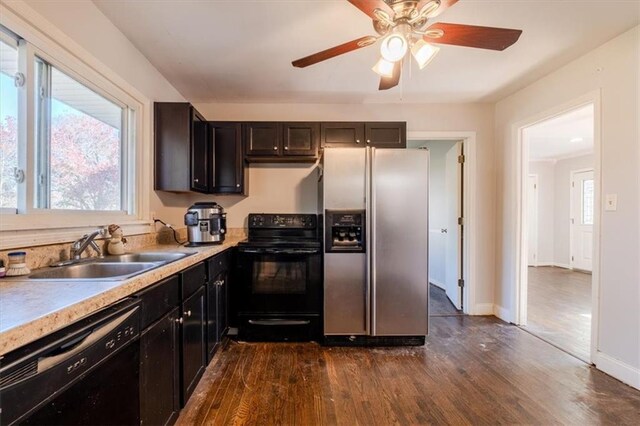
[(160, 257), (105, 271)]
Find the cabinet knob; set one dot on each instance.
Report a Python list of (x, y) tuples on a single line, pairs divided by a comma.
[(368, 140), (275, 148), (286, 148), (195, 180), (179, 320), (187, 314), (237, 185), (357, 140)]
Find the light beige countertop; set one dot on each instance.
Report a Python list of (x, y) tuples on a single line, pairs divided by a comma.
[(31, 309)]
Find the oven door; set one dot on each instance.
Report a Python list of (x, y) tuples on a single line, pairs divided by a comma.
[(279, 281)]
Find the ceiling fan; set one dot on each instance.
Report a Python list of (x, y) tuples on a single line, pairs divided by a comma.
[(402, 26)]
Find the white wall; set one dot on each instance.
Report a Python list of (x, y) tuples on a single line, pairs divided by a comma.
[(545, 170), (562, 205), (613, 71), (437, 206), (477, 118)]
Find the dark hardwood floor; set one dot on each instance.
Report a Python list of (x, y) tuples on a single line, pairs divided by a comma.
[(559, 308), (472, 370)]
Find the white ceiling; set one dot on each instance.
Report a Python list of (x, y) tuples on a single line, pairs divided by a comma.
[(241, 50), (566, 135)]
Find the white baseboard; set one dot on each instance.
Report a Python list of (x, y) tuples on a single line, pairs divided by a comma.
[(624, 372), (503, 313), (436, 283), (561, 265), (482, 309)]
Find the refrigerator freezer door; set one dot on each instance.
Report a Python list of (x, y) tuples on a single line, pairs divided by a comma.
[(346, 292), (399, 241)]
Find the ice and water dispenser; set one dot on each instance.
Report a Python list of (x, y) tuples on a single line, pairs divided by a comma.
[(345, 231)]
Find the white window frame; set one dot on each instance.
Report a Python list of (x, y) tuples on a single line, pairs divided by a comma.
[(32, 226)]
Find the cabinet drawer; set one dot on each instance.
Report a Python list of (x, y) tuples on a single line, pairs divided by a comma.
[(217, 264), (192, 279), (158, 300)]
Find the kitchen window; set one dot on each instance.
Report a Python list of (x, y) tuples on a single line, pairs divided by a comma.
[(71, 153)]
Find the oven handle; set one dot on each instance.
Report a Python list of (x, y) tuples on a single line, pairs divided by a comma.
[(279, 251)]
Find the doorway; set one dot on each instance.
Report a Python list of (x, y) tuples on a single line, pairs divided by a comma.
[(446, 230), (558, 229)]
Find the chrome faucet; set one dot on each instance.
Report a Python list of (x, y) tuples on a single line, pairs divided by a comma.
[(79, 246)]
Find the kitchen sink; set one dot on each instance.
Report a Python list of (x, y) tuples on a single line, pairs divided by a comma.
[(156, 257), (94, 271)]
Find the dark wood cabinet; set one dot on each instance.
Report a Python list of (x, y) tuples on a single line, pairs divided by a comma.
[(300, 139), (180, 148), (342, 134), (193, 343), (386, 134), (159, 371), (217, 322), (262, 139), (229, 175)]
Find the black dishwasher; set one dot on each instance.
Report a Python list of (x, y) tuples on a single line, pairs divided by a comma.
[(86, 373)]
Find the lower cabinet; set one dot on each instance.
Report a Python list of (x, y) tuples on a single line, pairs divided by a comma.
[(193, 343), (216, 312), (160, 371)]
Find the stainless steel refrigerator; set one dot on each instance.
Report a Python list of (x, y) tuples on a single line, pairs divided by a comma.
[(374, 204)]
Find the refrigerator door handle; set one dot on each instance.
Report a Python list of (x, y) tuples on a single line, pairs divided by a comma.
[(367, 290), (371, 208)]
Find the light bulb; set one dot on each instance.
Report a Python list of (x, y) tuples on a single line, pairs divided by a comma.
[(383, 68), (393, 47), (424, 53)]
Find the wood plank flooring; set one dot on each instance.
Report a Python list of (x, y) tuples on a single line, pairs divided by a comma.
[(559, 308), (472, 370)]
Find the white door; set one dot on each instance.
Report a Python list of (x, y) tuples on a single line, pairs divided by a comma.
[(532, 219), (453, 235), (582, 211)]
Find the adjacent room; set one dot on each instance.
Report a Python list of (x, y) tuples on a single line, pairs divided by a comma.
[(560, 223)]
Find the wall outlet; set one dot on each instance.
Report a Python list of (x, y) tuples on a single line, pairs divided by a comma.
[(611, 202)]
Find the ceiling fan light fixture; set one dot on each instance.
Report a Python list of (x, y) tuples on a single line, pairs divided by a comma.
[(394, 47), (424, 53), (383, 68)]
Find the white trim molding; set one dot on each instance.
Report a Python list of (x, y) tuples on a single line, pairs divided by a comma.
[(618, 369)]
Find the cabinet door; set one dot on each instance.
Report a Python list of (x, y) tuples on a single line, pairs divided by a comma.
[(193, 343), (221, 300), (386, 135), (199, 154), (228, 171), (212, 318), (172, 122), (343, 134), (263, 139), (160, 371), (300, 139)]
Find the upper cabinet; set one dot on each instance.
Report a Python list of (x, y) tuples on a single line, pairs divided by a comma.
[(228, 174), (192, 154), (356, 134), (281, 142), (180, 137)]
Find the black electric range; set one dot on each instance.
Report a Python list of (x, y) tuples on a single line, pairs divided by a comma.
[(278, 270)]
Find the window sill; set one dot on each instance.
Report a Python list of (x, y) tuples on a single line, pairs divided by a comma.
[(20, 231)]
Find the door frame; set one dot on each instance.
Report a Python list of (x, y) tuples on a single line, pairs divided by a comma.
[(572, 173), (469, 213), (522, 170), (537, 218)]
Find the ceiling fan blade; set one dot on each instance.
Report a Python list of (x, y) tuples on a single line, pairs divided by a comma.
[(472, 36), (369, 7), (444, 5), (389, 82), (334, 51)]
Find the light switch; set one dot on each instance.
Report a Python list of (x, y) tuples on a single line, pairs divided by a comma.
[(611, 202)]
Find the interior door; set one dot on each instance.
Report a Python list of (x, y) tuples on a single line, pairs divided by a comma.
[(532, 219), (582, 211), (453, 235)]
